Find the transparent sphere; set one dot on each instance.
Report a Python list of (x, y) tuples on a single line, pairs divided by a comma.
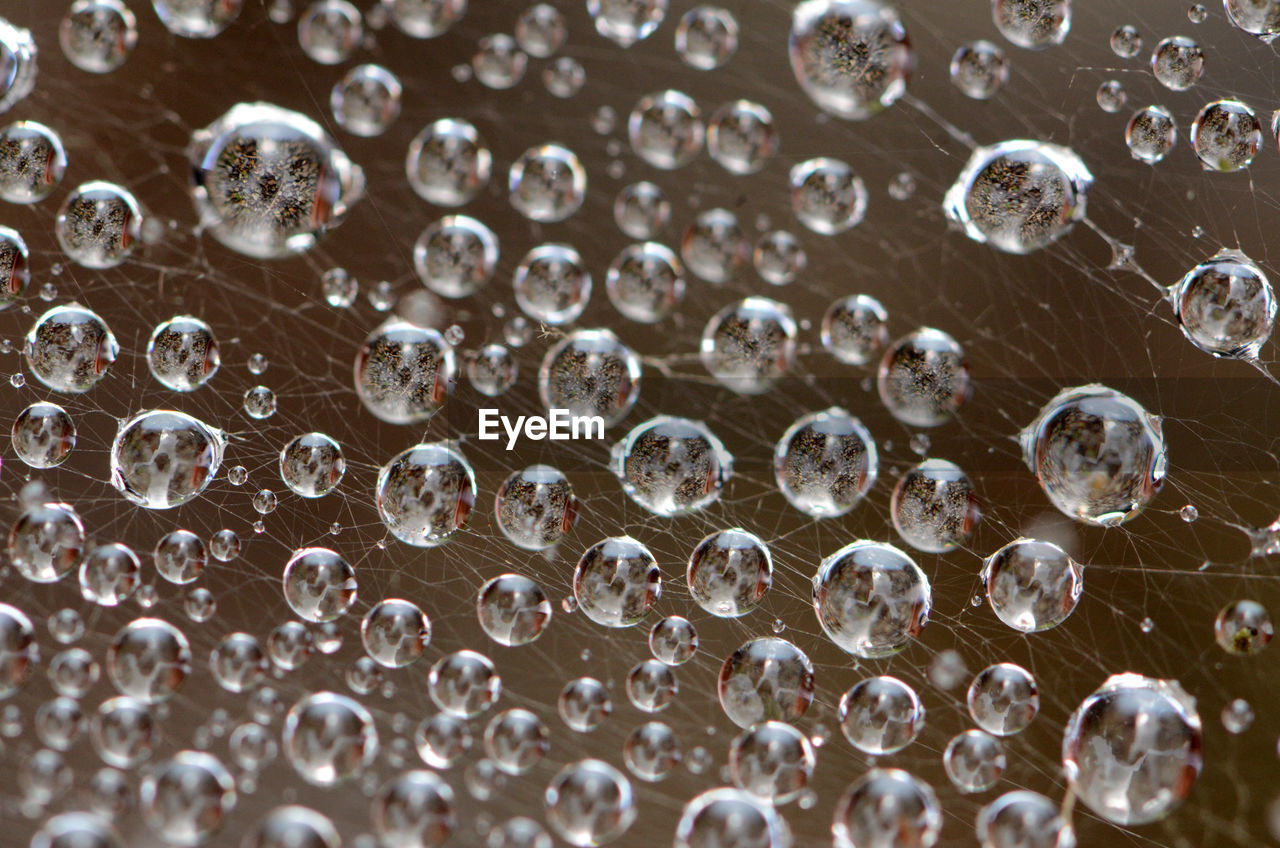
[(778, 258), (923, 378), (312, 465), (32, 158), (625, 22), (17, 64), (455, 256), (367, 100), (1031, 585), (1226, 135), (652, 751), (77, 830), (404, 372), (852, 57), (665, 129), (584, 704), (673, 640), (541, 30), (706, 37), (238, 662), (513, 610), (46, 542), (1019, 196), (415, 809), (535, 507), (329, 738), (887, 807), (148, 660), (182, 353), (1003, 699), (741, 136), (1243, 628), (651, 686), (425, 18), (269, 182), (1177, 62), (492, 370), (1033, 24), (641, 210), (766, 679), (99, 225), (855, 329), (1151, 133), (748, 346), (979, 69), (1111, 96), (15, 263), (552, 284), (161, 459), (772, 760), (547, 183), (1126, 41), (825, 463), (188, 798), (672, 466), (43, 435), (1023, 819), (518, 832), (425, 494), (645, 282), (714, 246), (442, 740), (934, 506), (98, 36), (729, 572), (827, 196), (589, 802), (590, 372), (974, 761), (1256, 17), (330, 31), (395, 633), (1132, 749), (319, 585), (197, 18), (180, 556), (733, 818), (871, 598), (293, 827), (881, 715), (109, 574), (616, 582), (1098, 455), (259, 402), (448, 163), (70, 349), (1225, 305), (464, 684), (19, 652)]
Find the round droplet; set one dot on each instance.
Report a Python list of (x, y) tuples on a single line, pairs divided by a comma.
[(641, 210), (513, 610), (1126, 42), (492, 370), (330, 31), (187, 798), (584, 704), (1151, 133), (881, 715), (778, 258), (672, 466), (855, 329), (43, 435), (109, 574), (827, 196), (772, 760), (934, 506), (924, 378), (748, 346), (319, 585), (1111, 96), (404, 372), (70, 349), (269, 182), (366, 101), (19, 652), (148, 660), (425, 494), (464, 684), (552, 284), (1019, 196), (652, 751), (182, 353), (456, 256), (825, 463), (1033, 24), (547, 183), (99, 225), (665, 129), (1225, 305), (32, 158), (98, 35), (15, 258), (852, 57), (1226, 135), (414, 810), (329, 738), (706, 37), (312, 465), (1031, 585), (590, 372), (541, 30), (442, 740), (645, 282), (871, 598), (741, 136), (974, 761), (1132, 749), (197, 18), (714, 246), (395, 633), (1003, 699), (448, 163), (536, 507), (293, 827), (1023, 819), (979, 70), (589, 802), (46, 542), (729, 572), (238, 662), (162, 459), (180, 556), (887, 807), (651, 686), (1256, 17), (498, 62), (1098, 455), (18, 61), (625, 22), (731, 817), (1177, 62), (1243, 628), (673, 640), (616, 582), (425, 18), (766, 679)]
